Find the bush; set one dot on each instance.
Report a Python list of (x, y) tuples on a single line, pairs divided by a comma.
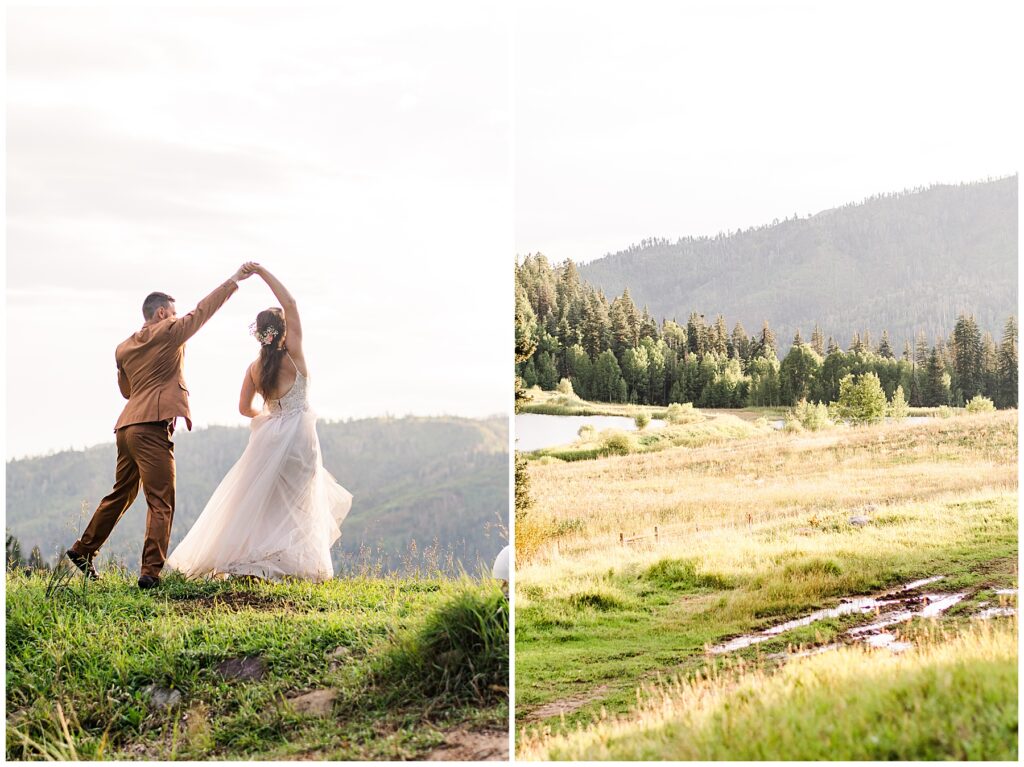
[(980, 404), (460, 653), (861, 399), (614, 442), (641, 420), (812, 417), (585, 433), (565, 387), (944, 411), (682, 574), (677, 413), (898, 407)]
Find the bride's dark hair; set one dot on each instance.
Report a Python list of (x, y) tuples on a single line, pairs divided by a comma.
[(270, 331)]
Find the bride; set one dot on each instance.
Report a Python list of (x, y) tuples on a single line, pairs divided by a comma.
[(277, 511)]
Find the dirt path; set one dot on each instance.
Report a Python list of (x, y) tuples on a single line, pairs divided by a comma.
[(471, 746)]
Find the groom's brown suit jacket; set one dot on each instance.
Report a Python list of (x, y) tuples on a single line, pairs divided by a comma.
[(150, 362)]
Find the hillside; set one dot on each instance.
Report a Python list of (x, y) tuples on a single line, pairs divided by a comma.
[(903, 262), (414, 479), (354, 668)]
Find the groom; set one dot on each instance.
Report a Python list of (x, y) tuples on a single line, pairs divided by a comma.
[(149, 374)]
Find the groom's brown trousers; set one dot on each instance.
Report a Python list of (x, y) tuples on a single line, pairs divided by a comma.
[(145, 454)]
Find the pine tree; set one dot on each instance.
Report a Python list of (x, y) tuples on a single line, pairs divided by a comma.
[(884, 349), (798, 338), (921, 350), (719, 341), (1006, 365), (765, 345), (740, 344), (818, 340), (833, 347), (36, 560), (967, 358), (934, 387), (696, 335), (908, 352)]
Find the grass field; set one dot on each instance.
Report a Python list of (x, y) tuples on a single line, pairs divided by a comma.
[(753, 532), (361, 668)]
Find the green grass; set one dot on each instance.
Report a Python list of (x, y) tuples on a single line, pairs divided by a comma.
[(78, 665), (596, 620), (950, 698)]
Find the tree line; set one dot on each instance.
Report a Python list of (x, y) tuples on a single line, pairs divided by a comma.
[(612, 351)]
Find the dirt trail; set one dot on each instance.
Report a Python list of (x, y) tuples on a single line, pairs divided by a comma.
[(471, 746), (566, 705)]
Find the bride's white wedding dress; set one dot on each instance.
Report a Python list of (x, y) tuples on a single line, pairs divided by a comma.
[(277, 511)]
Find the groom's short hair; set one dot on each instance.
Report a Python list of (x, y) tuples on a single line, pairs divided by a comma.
[(153, 302)]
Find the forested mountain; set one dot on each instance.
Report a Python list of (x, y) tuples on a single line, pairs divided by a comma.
[(612, 352), (414, 479), (907, 262)]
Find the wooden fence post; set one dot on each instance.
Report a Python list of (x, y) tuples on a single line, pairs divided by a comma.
[(622, 540)]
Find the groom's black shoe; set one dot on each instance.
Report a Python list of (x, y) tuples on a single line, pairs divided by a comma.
[(147, 582), (84, 564)]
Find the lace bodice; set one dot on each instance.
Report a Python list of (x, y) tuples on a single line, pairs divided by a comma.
[(294, 400)]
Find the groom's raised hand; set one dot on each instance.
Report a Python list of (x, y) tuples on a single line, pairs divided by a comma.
[(245, 271)]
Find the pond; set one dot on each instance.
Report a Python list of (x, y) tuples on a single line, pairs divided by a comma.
[(534, 431)]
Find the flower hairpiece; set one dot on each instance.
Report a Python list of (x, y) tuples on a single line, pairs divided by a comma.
[(267, 336)]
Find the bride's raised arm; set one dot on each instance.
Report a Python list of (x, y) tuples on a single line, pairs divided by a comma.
[(293, 325)]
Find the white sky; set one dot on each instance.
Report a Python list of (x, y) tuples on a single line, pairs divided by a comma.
[(638, 119), (362, 155)]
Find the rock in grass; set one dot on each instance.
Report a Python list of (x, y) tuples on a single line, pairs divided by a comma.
[(252, 668), (160, 697), (859, 521), (316, 703), (338, 656)]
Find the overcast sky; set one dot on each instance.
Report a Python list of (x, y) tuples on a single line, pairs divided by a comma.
[(639, 119), (363, 156)]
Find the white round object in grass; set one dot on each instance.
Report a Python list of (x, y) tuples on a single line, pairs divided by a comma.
[(501, 566)]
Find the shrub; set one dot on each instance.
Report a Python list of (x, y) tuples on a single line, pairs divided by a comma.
[(861, 399), (980, 404), (809, 416), (585, 433), (792, 424), (944, 411), (898, 407), (677, 413), (459, 653), (641, 420), (615, 442), (565, 387), (682, 574)]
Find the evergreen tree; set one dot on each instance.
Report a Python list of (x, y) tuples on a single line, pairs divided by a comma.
[(921, 350), (935, 383), (36, 560), (696, 335), (884, 349), (798, 372), (908, 352), (765, 345), (798, 338), (719, 342), (833, 347), (1006, 365), (967, 358), (818, 341), (596, 325), (740, 344)]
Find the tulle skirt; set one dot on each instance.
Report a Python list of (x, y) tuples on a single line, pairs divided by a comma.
[(276, 513)]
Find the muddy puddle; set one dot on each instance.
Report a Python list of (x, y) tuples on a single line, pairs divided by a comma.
[(891, 608)]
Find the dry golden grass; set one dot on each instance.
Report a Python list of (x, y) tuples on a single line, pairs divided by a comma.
[(767, 478)]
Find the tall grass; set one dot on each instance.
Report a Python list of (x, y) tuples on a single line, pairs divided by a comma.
[(954, 697)]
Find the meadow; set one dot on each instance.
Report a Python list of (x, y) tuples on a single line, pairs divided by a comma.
[(354, 668), (621, 633)]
